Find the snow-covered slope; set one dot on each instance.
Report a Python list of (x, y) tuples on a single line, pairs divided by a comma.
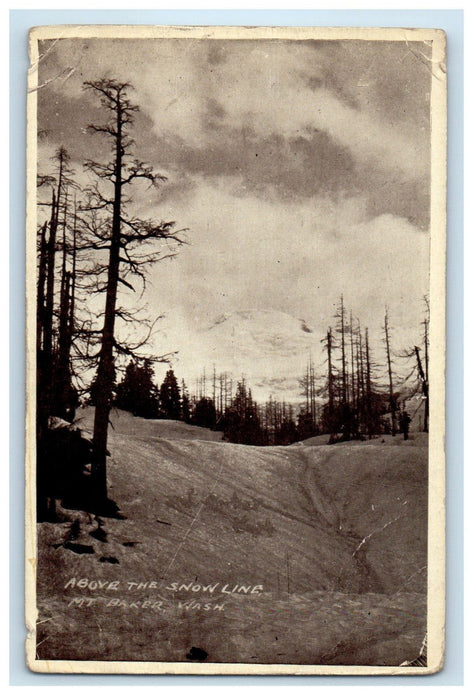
[(333, 537)]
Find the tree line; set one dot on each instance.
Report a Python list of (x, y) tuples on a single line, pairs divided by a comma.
[(366, 397), (355, 397)]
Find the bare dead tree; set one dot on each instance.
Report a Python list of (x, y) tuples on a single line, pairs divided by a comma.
[(42, 270), (62, 394), (330, 371), (368, 406), (340, 315), (419, 367), (425, 383), (329, 418), (354, 396), (392, 403), (304, 383), (312, 391), (127, 240), (47, 286)]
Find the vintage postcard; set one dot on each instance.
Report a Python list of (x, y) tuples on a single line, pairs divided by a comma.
[(236, 347)]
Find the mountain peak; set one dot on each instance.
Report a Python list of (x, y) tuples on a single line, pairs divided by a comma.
[(264, 317), (268, 346)]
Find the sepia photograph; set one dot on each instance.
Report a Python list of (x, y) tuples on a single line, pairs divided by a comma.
[(236, 350)]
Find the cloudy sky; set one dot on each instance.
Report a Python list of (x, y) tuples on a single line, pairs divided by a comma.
[(300, 169)]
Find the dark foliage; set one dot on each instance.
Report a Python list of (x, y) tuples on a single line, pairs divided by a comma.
[(137, 392), (241, 423), (205, 414), (170, 397), (287, 433), (306, 426), (63, 474)]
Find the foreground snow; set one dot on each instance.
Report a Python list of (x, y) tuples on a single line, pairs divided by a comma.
[(300, 554)]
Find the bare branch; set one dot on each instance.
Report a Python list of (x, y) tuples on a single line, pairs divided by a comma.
[(126, 284), (104, 129), (138, 169)]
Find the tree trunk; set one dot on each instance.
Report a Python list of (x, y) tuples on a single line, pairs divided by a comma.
[(61, 378), (73, 276), (369, 412), (313, 407), (391, 394), (105, 372), (42, 271), (344, 366), (352, 358), (426, 392), (330, 374), (425, 389), (44, 398)]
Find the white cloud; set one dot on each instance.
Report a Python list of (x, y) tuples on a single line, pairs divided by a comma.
[(266, 90), (263, 88), (292, 258)]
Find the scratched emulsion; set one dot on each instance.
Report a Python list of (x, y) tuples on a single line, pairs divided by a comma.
[(309, 554)]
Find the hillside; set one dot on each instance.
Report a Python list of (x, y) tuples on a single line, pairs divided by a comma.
[(125, 424), (325, 546)]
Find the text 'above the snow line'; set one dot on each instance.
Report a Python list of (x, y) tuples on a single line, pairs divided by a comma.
[(151, 604), (175, 586)]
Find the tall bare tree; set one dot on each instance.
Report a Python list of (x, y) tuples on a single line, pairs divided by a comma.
[(425, 384), (341, 328), (125, 238), (47, 277), (369, 398), (392, 403)]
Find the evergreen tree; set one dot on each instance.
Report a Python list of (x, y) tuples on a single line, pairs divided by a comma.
[(137, 392), (205, 414), (93, 389), (287, 433), (170, 397), (306, 427), (241, 423)]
